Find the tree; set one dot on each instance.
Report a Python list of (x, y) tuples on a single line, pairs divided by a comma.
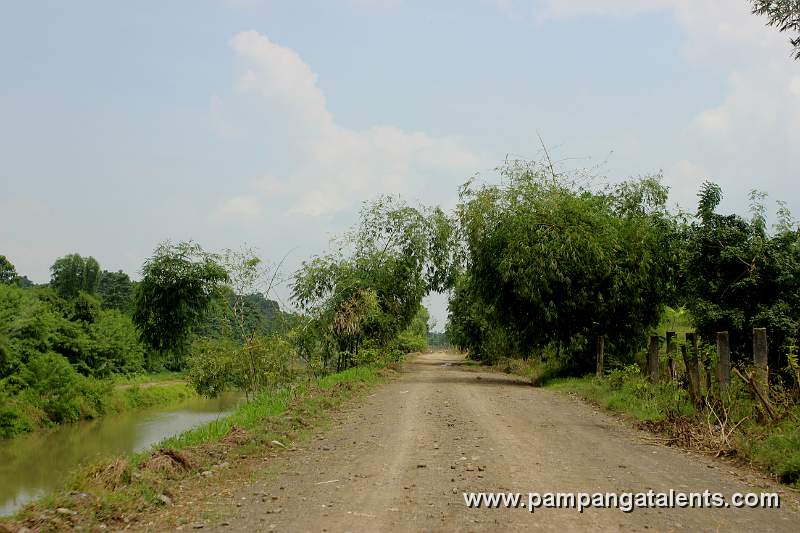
[(735, 276), (783, 14), (72, 274), (116, 290), (369, 290), (178, 284), (8, 274), (550, 262)]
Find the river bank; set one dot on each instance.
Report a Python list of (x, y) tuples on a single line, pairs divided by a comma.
[(89, 399), (130, 487), (35, 463)]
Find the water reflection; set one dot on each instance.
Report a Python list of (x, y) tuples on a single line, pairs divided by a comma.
[(31, 465)]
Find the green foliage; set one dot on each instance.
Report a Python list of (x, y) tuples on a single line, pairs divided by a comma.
[(85, 308), (549, 262), (784, 15), (626, 390), (115, 289), (115, 347), (47, 348), (178, 284), (779, 451), (415, 337), (8, 274), (735, 276), (369, 290), (72, 274), (217, 365)]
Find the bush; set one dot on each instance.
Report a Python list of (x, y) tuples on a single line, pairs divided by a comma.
[(56, 385), (215, 366), (12, 420), (115, 346)]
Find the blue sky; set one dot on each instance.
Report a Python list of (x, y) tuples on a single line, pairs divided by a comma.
[(267, 123)]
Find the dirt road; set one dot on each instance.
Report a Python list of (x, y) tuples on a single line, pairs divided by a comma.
[(401, 460)]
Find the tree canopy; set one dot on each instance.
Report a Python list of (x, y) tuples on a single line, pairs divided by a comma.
[(72, 274), (178, 284), (551, 262), (371, 286), (8, 274), (737, 276)]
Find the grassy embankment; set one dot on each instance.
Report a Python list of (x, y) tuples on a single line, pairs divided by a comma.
[(89, 398), (123, 490), (732, 425)]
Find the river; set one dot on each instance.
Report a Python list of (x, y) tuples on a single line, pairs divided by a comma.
[(34, 464)]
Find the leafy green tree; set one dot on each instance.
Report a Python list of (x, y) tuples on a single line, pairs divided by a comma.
[(552, 263), (72, 273), (369, 290), (178, 285), (115, 346), (86, 308), (115, 290), (784, 15), (736, 275), (8, 274)]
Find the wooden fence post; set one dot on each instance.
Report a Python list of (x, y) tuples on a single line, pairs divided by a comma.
[(652, 358), (723, 360), (760, 360), (671, 354), (600, 356), (693, 368)]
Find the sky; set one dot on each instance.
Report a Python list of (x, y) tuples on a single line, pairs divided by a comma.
[(267, 123)]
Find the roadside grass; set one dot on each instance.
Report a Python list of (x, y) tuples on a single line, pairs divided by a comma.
[(118, 491), (732, 426), (632, 396)]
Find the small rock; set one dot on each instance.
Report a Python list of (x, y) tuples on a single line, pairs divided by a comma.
[(66, 512), (163, 498), (207, 473), (224, 524), (198, 525), (278, 443), (455, 490)]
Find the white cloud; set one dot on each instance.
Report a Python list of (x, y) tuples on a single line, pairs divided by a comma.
[(242, 209), (759, 111), (339, 166)]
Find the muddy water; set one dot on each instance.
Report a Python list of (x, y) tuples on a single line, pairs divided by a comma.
[(32, 465)]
